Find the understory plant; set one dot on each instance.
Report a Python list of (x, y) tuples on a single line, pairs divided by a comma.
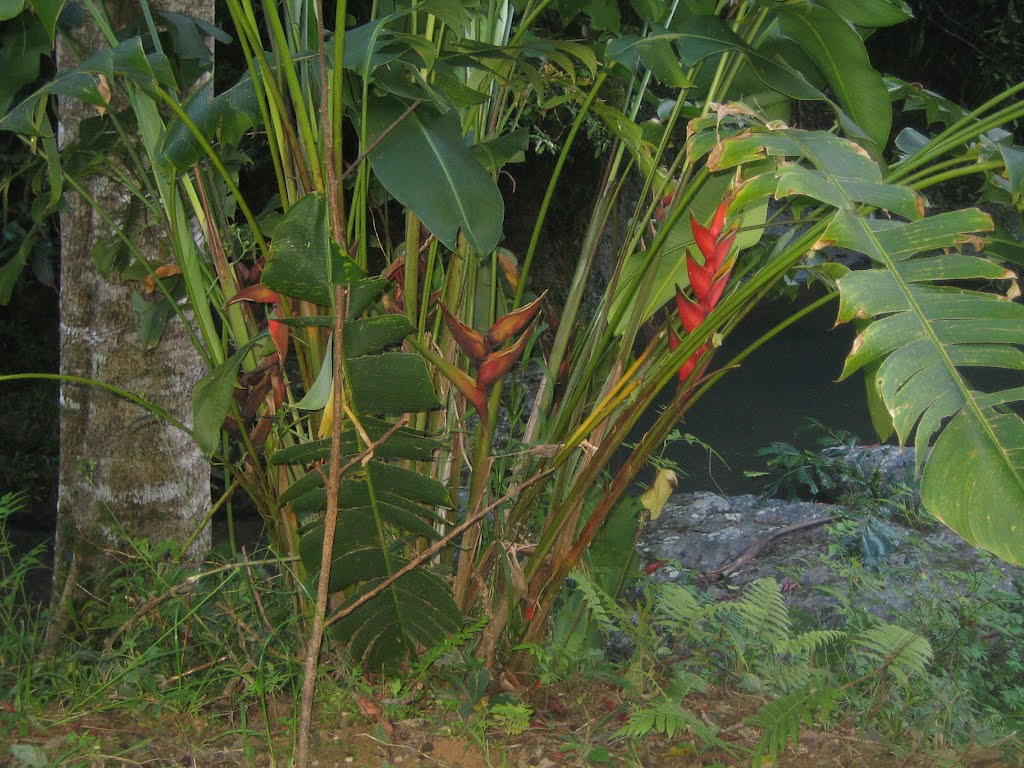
[(173, 638), (881, 674), (361, 319)]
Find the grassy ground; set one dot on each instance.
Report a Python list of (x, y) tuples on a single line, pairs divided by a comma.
[(170, 668), (572, 725)]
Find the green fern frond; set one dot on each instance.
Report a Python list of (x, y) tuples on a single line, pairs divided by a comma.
[(445, 646), (780, 720), (764, 612), (677, 608), (901, 652), (776, 675), (665, 716), (603, 608), (684, 683), (807, 643)]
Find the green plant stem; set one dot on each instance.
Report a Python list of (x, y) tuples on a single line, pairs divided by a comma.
[(549, 193), (479, 478), (729, 311), (969, 126), (943, 165), (528, 18), (142, 402), (225, 497), (215, 160), (956, 173), (304, 122)]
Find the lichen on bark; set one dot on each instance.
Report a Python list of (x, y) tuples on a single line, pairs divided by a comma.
[(124, 475)]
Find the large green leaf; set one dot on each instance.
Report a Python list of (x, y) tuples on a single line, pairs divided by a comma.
[(394, 382), (927, 339), (380, 508), (226, 117), (10, 8), (48, 12), (838, 51), (425, 164), (406, 443), (656, 53), (382, 505), (841, 173), (703, 36), (211, 398), (23, 43), (128, 59), (414, 603), (298, 264), (871, 14)]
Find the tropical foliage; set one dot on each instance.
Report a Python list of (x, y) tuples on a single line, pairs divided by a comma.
[(339, 313)]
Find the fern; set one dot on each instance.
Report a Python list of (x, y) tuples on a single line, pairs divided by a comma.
[(684, 683), (809, 642), (900, 652), (780, 720), (603, 608), (666, 716), (444, 647), (764, 613), (678, 610)]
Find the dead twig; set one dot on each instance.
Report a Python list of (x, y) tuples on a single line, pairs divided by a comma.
[(750, 554)]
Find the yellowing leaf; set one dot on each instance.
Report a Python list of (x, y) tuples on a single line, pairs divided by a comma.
[(327, 418), (655, 497)]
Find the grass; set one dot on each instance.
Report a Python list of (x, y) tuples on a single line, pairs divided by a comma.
[(177, 666)]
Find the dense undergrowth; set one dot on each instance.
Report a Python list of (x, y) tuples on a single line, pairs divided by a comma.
[(221, 647)]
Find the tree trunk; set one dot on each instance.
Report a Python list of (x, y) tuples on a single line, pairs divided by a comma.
[(124, 475)]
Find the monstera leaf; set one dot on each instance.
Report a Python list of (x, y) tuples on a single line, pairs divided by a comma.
[(930, 338), (925, 330)]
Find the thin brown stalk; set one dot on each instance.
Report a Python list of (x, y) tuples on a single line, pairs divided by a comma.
[(333, 483), (376, 142), (188, 672), (438, 545), (333, 480)]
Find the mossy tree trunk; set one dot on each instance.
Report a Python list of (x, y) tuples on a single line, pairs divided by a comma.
[(124, 475)]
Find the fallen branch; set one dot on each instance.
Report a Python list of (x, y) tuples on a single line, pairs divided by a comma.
[(750, 554)]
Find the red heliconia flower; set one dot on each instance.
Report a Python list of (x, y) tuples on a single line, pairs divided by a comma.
[(278, 330), (707, 280), (483, 349)]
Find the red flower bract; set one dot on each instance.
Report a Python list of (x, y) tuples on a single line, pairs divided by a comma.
[(707, 280)]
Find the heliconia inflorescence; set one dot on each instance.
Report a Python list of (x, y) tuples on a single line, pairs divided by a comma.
[(707, 280), (483, 350)]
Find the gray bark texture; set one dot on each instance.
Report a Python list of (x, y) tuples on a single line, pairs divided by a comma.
[(124, 475)]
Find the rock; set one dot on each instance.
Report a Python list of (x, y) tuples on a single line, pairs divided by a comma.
[(698, 534), (888, 465), (704, 531)]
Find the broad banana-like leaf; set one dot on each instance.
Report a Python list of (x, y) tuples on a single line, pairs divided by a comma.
[(842, 174), (461, 195), (839, 54), (927, 338)]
